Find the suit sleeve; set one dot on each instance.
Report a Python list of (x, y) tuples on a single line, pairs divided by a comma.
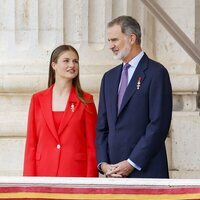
[(102, 127), (160, 111), (31, 141), (90, 125)]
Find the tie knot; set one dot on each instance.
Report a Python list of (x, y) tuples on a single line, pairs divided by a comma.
[(126, 66)]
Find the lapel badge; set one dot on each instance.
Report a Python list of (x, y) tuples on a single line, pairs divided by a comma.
[(139, 82), (72, 107)]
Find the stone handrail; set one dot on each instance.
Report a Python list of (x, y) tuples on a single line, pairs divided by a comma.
[(174, 30), (98, 188)]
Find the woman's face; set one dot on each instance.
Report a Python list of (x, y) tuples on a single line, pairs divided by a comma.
[(67, 65)]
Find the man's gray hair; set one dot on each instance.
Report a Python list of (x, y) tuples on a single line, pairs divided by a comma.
[(128, 25)]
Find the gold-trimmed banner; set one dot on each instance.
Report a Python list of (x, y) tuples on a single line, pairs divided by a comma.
[(75, 193)]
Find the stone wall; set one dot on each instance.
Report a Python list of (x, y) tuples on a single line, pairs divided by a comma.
[(30, 30)]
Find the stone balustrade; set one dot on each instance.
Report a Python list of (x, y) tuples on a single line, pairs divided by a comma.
[(98, 188)]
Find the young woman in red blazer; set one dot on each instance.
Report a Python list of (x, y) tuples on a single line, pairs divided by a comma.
[(61, 124)]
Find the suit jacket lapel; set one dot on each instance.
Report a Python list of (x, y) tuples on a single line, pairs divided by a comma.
[(114, 85), (132, 86), (46, 106), (71, 108)]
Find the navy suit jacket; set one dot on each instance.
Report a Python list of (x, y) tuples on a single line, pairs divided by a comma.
[(139, 130)]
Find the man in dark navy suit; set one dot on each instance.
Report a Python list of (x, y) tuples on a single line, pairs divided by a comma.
[(135, 108)]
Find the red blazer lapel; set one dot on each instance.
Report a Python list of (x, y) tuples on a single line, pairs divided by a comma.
[(71, 108), (46, 107)]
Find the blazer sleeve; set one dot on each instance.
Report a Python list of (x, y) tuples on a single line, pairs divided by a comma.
[(90, 126), (31, 141), (102, 127), (160, 112)]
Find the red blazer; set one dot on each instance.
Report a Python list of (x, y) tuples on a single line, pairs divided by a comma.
[(68, 152)]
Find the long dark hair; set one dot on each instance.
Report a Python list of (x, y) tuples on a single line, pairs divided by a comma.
[(54, 58)]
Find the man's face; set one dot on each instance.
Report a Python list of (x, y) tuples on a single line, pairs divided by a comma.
[(118, 42)]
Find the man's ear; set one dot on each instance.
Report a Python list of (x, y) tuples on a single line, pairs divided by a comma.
[(133, 38)]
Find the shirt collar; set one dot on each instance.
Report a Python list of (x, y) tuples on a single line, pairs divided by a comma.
[(134, 62)]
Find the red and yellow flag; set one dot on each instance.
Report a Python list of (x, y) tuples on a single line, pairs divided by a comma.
[(100, 193)]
